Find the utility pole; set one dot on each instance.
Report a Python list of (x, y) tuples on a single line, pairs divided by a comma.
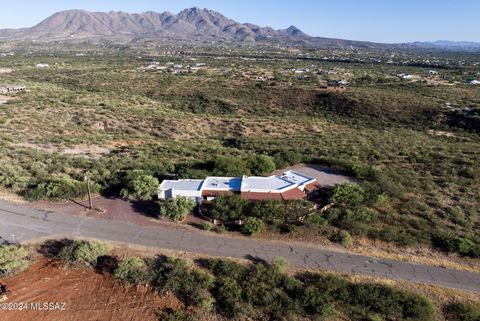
[(87, 180)]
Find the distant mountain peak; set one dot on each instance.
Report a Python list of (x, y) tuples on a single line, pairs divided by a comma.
[(294, 31), (189, 24)]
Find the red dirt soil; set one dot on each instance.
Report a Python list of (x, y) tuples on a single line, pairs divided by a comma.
[(88, 296)]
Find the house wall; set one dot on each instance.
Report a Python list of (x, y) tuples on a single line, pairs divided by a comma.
[(172, 193)]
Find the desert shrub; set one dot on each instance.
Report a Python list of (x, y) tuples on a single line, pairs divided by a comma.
[(140, 185), (207, 226), (190, 284), (13, 259), (260, 164), (252, 225), (228, 207), (463, 311), (452, 243), (349, 194), (230, 166), (342, 237), (228, 297), (297, 210), (13, 177), (382, 200), (390, 303), (286, 158), (60, 188), (177, 315), (355, 220), (83, 252), (270, 290), (176, 208), (132, 270), (272, 212)]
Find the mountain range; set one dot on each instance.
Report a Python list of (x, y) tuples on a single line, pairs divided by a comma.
[(193, 24), (189, 24)]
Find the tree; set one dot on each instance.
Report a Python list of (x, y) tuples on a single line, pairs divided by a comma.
[(145, 187), (230, 166), (13, 259), (260, 164), (271, 212), (176, 208), (228, 207), (349, 194), (252, 225), (140, 185)]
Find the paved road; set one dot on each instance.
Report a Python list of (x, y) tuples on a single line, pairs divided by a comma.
[(19, 223)]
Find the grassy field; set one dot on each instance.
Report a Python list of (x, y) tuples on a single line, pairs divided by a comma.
[(415, 145)]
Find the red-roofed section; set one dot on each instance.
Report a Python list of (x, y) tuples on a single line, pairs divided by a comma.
[(293, 194)]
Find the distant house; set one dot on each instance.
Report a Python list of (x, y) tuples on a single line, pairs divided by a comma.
[(11, 89), (43, 65), (288, 186), (405, 76)]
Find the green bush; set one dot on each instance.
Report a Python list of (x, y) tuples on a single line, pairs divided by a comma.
[(348, 194), (261, 164), (463, 311), (390, 303), (228, 207), (13, 259), (60, 188), (286, 158), (207, 226), (83, 252), (252, 225), (230, 166), (132, 270), (452, 243), (342, 237), (176, 208), (140, 185), (177, 315), (190, 284), (272, 212)]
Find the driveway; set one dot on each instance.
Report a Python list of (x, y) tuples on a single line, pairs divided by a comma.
[(20, 223), (325, 176)]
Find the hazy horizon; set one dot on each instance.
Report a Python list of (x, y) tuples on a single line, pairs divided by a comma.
[(387, 22)]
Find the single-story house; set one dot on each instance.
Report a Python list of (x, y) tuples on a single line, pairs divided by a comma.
[(288, 186), (9, 89), (190, 188)]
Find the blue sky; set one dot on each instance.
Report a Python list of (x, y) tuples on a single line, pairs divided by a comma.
[(372, 20)]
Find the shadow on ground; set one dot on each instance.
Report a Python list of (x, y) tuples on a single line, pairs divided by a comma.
[(146, 208)]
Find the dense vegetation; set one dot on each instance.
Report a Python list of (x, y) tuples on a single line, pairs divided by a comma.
[(413, 145), (264, 292), (13, 259)]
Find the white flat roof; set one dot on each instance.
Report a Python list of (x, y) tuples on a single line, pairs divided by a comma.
[(296, 178), (222, 183), (182, 184), (264, 184)]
